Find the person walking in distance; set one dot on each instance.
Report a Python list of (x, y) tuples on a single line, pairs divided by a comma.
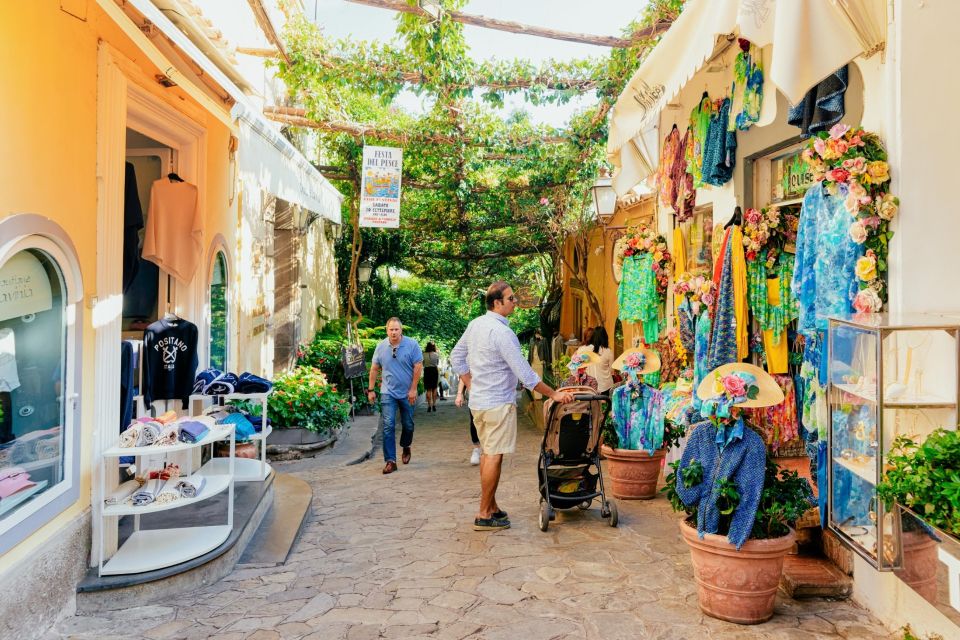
[(431, 375), (401, 361), (489, 362)]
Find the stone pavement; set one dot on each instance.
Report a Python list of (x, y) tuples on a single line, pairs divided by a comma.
[(395, 556)]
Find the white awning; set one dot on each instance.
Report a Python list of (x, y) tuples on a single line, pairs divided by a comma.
[(811, 39), (263, 153)]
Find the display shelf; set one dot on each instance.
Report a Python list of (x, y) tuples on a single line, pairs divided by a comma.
[(216, 484), (221, 432), (262, 435), (150, 549), (864, 471), (880, 365), (227, 397), (246, 469), (33, 465), (9, 503)]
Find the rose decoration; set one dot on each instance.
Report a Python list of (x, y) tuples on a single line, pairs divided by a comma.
[(858, 232), (734, 386), (867, 267)]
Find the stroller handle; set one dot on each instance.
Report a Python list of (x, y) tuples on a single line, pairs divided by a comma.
[(583, 397)]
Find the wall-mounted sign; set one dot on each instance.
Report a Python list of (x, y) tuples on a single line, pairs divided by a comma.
[(24, 287), (790, 177), (380, 187)]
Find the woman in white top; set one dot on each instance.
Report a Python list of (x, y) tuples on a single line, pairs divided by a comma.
[(602, 371)]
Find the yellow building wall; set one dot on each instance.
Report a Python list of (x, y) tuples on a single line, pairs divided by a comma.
[(48, 123), (600, 278)]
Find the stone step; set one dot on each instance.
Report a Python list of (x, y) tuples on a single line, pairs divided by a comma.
[(281, 527), (814, 577)]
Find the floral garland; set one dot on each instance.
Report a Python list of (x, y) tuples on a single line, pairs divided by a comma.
[(766, 232), (696, 286), (645, 240), (852, 163), (768, 229)]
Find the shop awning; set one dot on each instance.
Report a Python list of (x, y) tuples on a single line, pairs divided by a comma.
[(810, 40), (278, 166)]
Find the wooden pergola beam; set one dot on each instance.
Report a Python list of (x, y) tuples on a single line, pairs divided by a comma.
[(470, 257), (297, 117), (524, 29), (266, 25)]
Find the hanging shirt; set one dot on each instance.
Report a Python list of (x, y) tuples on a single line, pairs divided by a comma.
[(822, 106), (824, 279), (683, 195), (169, 360), (174, 235), (720, 148), (637, 295), (723, 341), (699, 125), (664, 177), (747, 89), (638, 415)]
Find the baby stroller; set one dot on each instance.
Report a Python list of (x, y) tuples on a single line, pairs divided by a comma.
[(571, 446)]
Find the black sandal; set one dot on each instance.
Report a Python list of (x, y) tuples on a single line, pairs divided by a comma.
[(490, 524)]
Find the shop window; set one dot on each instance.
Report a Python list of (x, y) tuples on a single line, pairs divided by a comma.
[(698, 239), (219, 313), (37, 412)]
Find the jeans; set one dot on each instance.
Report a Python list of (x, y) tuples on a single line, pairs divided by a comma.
[(388, 411)]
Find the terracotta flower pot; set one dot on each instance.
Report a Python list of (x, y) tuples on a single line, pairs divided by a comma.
[(737, 586), (633, 475), (920, 564)]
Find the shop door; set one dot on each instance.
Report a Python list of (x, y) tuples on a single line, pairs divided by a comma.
[(286, 292)]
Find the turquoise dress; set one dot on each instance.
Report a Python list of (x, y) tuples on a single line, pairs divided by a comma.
[(637, 295), (638, 414)]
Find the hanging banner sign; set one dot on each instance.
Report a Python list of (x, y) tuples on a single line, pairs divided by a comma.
[(380, 189)]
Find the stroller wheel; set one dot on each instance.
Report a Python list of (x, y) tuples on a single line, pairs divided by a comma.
[(614, 516), (544, 517), (583, 506)]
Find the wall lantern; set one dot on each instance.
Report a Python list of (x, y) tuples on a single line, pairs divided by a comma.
[(604, 197), (364, 269)]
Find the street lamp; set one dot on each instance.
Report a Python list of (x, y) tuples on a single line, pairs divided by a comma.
[(364, 269), (604, 197)]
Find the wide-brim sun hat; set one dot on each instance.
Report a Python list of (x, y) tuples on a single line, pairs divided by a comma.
[(769, 393), (651, 360), (589, 358)]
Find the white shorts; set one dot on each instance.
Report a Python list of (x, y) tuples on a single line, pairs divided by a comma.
[(496, 428)]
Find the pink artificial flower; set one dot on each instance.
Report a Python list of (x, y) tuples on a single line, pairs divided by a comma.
[(544, 201), (838, 130), (753, 216), (820, 146), (838, 175), (856, 141), (872, 221), (841, 146), (867, 301), (707, 299), (734, 386), (856, 165), (656, 266)]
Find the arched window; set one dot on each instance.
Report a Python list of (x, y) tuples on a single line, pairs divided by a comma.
[(39, 363), (219, 313)]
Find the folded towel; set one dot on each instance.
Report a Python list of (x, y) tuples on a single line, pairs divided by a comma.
[(167, 418), (149, 433), (249, 383), (193, 431), (169, 435), (129, 436), (208, 421), (204, 378), (169, 492), (244, 429), (122, 492), (191, 486), (222, 385), (147, 493)]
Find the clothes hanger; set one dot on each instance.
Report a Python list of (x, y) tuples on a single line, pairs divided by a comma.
[(173, 177), (737, 218)]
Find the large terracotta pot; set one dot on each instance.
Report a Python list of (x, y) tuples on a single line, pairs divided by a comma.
[(737, 586), (920, 564), (633, 475)]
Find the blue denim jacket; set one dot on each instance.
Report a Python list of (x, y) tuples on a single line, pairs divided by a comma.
[(743, 460)]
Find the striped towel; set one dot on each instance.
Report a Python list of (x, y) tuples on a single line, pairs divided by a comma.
[(191, 486)]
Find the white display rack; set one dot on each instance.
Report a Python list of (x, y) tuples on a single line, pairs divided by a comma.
[(151, 549), (247, 469)]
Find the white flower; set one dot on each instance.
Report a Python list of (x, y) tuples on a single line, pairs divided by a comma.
[(858, 233)]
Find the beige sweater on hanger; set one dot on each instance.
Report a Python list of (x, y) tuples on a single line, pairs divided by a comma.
[(174, 233)]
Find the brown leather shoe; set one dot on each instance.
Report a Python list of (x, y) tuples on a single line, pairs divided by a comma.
[(390, 467), (405, 458)]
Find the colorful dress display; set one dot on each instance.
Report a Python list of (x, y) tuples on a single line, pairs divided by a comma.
[(665, 174), (773, 305), (747, 89), (723, 341), (699, 125), (779, 423), (683, 195), (824, 280), (720, 147), (637, 295)]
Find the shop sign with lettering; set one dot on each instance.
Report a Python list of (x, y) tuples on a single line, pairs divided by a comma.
[(24, 287), (380, 187), (790, 177)]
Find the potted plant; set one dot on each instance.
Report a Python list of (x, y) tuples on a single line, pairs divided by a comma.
[(304, 408), (635, 436), (739, 506), (924, 480)]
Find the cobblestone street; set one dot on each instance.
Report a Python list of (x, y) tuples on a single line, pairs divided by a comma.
[(395, 556)]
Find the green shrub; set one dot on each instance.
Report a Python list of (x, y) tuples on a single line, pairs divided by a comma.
[(304, 398)]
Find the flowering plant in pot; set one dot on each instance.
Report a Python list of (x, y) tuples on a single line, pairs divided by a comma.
[(635, 435), (740, 507), (302, 398)]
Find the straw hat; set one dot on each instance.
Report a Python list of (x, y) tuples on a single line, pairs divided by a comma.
[(589, 358), (769, 392), (651, 360)]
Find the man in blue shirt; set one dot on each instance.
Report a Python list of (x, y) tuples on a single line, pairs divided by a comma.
[(489, 362), (401, 361)]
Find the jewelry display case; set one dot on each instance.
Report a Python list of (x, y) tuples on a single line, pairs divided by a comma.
[(889, 375)]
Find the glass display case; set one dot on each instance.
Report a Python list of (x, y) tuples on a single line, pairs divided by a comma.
[(889, 375)]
